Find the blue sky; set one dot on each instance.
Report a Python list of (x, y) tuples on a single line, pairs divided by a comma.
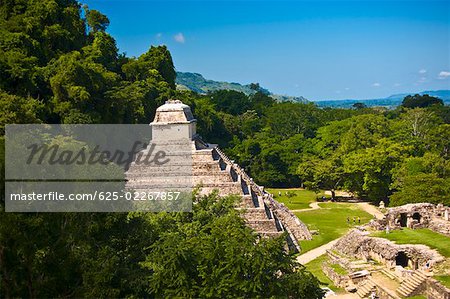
[(317, 49)]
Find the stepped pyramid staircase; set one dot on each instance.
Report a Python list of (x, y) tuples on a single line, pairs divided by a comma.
[(411, 284), (256, 200), (197, 163)]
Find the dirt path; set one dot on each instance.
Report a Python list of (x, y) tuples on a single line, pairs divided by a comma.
[(313, 206), (315, 253), (372, 210)]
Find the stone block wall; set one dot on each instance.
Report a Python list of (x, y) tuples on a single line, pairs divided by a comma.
[(359, 245), (298, 228), (440, 226), (435, 290), (336, 259), (419, 215), (340, 281), (410, 215), (383, 293)]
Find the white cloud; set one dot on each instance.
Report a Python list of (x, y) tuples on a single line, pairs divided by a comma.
[(444, 75), (422, 80), (376, 84), (397, 84), (179, 38), (423, 71), (159, 35), (347, 88)]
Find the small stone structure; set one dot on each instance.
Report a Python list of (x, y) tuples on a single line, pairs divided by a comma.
[(174, 125), (404, 262), (359, 245), (419, 215), (410, 215)]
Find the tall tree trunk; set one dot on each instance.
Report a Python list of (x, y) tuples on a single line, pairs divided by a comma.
[(5, 284), (30, 282)]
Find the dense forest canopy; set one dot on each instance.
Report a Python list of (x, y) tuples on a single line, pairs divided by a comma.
[(59, 65)]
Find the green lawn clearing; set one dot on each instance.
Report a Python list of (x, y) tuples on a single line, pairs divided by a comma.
[(338, 269), (419, 236), (444, 279), (330, 222), (300, 200)]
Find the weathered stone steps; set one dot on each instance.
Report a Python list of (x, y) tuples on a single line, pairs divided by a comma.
[(255, 213), (365, 288), (388, 274), (270, 234), (267, 225), (411, 284), (249, 202)]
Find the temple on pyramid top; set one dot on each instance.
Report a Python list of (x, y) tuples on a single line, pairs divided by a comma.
[(173, 111), (173, 121)]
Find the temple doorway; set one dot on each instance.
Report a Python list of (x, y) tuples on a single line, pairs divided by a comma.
[(416, 216), (401, 259), (403, 219)]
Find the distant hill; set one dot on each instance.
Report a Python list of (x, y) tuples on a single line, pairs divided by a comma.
[(442, 94), (196, 82), (388, 102)]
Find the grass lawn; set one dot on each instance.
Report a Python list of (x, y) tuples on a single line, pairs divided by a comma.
[(330, 222), (315, 267), (299, 201), (419, 236), (444, 279), (338, 269)]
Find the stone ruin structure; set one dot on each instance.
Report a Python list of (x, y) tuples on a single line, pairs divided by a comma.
[(407, 266), (419, 215), (359, 245), (174, 126)]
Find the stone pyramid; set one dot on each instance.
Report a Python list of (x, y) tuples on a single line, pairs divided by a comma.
[(195, 163)]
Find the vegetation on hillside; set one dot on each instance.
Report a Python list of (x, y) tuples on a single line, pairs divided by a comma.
[(197, 83)]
